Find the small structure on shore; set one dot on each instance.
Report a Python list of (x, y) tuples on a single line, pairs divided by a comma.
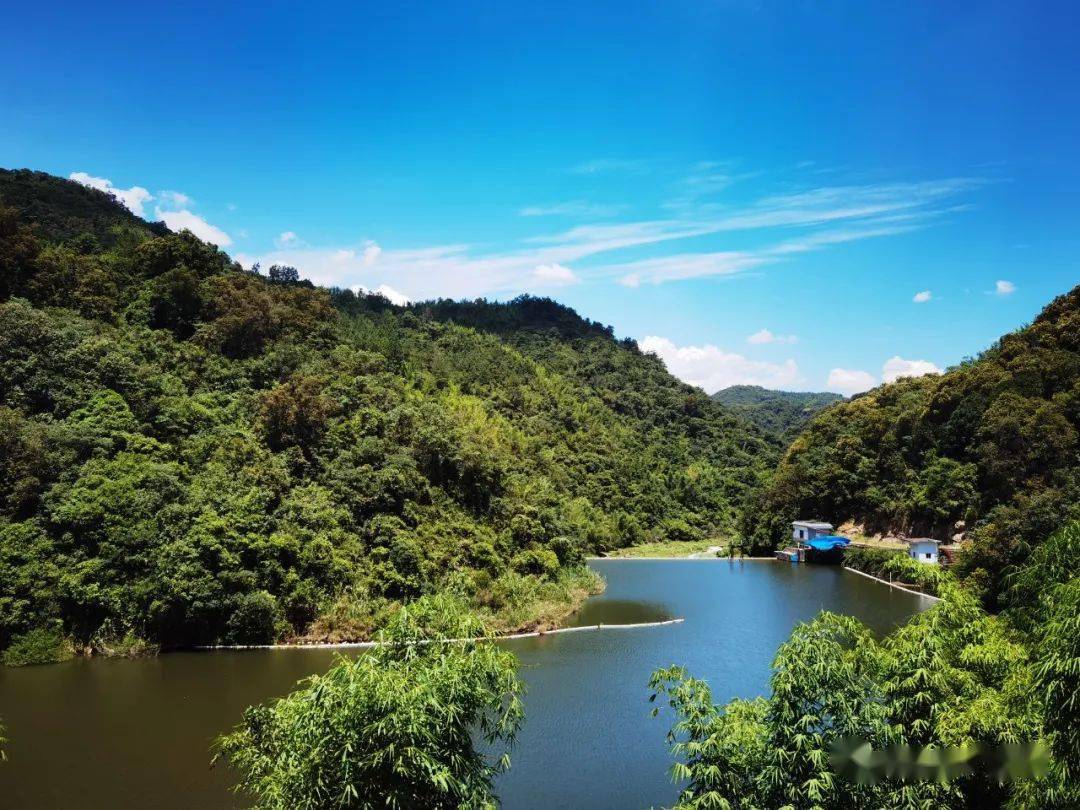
[(813, 541), (923, 549), (804, 530)]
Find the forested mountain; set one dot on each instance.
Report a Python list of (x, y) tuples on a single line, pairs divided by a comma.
[(194, 453), (992, 443), (779, 413)]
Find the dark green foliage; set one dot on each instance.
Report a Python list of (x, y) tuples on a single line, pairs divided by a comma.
[(397, 727), (191, 453), (1046, 592), (69, 212), (40, 646), (993, 444), (952, 676), (778, 413)]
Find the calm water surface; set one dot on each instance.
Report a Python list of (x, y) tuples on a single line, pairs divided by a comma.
[(109, 734)]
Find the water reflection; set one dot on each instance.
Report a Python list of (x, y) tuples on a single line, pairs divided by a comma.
[(109, 734)]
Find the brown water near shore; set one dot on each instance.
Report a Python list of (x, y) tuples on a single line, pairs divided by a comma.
[(114, 734)]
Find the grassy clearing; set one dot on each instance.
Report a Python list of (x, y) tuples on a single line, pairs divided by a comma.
[(888, 543), (509, 603), (516, 603), (678, 548)]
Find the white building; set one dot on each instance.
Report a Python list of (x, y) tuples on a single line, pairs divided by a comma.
[(923, 549), (803, 530)]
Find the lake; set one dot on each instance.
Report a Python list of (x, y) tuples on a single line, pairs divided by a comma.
[(112, 733)]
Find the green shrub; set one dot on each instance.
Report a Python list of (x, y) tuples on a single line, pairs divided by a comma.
[(541, 562), (929, 578), (256, 619), (40, 646), (869, 560), (399, 726)]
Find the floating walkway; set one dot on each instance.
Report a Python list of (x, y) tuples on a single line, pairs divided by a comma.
[(364, 645), (892, 584)]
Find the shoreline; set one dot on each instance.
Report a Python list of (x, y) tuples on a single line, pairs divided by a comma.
[(364, 645), (692, 559), (891, 584)]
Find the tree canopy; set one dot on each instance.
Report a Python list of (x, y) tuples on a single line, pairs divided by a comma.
[(394, 728), (780, 413), (195, 453), (990, 449)]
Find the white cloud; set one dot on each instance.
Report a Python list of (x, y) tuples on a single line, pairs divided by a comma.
[(185, 220), (287, 239), (387, 292), (573, 208), (177, 217), (683, 266), (1004, 287), (133, 198), (555, 274), (897, 367), (922, 297), (711, 368), (766, 336), (609, 165), (370, 254), (175, 199), (850, 381), (825, 217)]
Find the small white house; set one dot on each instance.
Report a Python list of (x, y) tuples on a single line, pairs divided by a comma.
[(803, 530), (923, 549)]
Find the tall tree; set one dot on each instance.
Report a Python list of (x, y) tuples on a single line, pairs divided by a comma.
[(395, 728)]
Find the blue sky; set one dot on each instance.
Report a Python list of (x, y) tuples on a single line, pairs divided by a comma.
[(757, 191)]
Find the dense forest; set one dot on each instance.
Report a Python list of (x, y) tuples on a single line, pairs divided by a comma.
[(989, 450), (194, 453), (779, 413)]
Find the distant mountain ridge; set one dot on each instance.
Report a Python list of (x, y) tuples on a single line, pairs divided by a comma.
[(780, 413)]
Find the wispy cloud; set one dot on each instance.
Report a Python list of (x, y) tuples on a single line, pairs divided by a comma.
[(922, 297), (175, 199), (763, 336), (574, 208), (779, 228), (610, 165), (1003, 287)]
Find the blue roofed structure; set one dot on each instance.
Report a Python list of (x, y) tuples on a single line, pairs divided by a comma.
[(827, 542)]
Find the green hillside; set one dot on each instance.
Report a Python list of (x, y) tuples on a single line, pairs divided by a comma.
[(779, 413), (989, 449), (193, 453)]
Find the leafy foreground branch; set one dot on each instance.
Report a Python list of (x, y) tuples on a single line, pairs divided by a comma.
[(394, 728), (952, 676)]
